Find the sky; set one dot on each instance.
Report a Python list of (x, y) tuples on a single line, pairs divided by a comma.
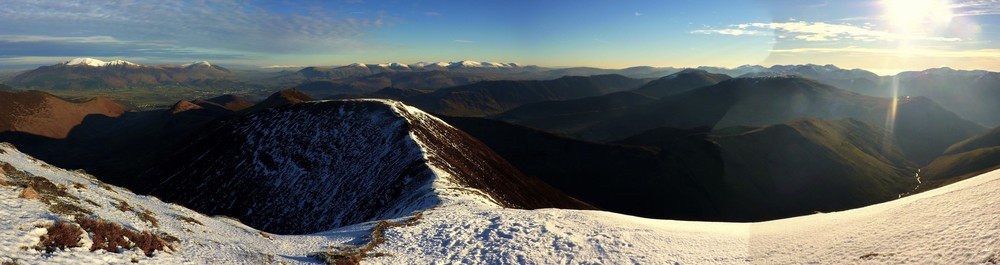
[(884, 36)]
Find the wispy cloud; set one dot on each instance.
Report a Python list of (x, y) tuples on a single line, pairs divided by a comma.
[(733, 32), (431, 14), (976, 7), (37, 47), (230, 25), (638, 14), (912, 52), (465, 41), (819, 31)]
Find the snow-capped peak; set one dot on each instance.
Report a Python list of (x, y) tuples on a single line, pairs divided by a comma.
[(358, 65), (482, 64), (205, 63), (96, 62)]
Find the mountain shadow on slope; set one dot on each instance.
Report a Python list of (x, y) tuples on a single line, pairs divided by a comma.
[(923, 128), (737, 174), (44, 114), (314, 166), (117, 149)]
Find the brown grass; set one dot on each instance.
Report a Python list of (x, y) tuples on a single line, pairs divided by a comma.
[(47, 189), (60, 235), (69, 209), (149, 217), (111, 237), (189, 220), (349, 255), (79, 185), (123, 206), (107, 187), (92, 203)]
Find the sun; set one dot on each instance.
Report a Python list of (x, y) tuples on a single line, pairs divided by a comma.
[(911, 15)]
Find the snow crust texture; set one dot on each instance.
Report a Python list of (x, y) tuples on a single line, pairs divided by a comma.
[(956, 224), (201, 239), (314, 166), (303, 168)]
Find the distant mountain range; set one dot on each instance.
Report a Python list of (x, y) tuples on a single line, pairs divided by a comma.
[(756, 102), (970, 94), (493, 97), (88, 73)]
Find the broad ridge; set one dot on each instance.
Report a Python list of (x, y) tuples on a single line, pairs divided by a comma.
[(327, 164)]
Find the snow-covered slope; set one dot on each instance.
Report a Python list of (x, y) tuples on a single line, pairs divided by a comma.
[(956, 224), (201, 239), (314, 166)]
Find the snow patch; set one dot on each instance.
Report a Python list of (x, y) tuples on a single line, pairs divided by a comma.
[(97, 63)]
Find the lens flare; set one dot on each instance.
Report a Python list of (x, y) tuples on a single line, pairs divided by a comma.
[(917, 15), (890, 119)]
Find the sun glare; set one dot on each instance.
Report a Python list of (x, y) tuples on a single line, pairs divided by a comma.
[(910, 15)]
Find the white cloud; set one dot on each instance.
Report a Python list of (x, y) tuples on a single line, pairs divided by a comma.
[(40, 38), (976, 7), (734, 32), (911, 52), (223, 24), (819, 31), (638, 14)]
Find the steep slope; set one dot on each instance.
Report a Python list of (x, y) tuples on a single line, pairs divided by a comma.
[(680, 82), (811, 165), (694, 174), (957, 226), (984, 139), (77, 219), (493, 97), (973, 156), (42, 114), (322, 165), (923, 128), (86, 73)]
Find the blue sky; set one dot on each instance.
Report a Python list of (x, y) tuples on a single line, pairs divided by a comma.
[(884, 36)]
